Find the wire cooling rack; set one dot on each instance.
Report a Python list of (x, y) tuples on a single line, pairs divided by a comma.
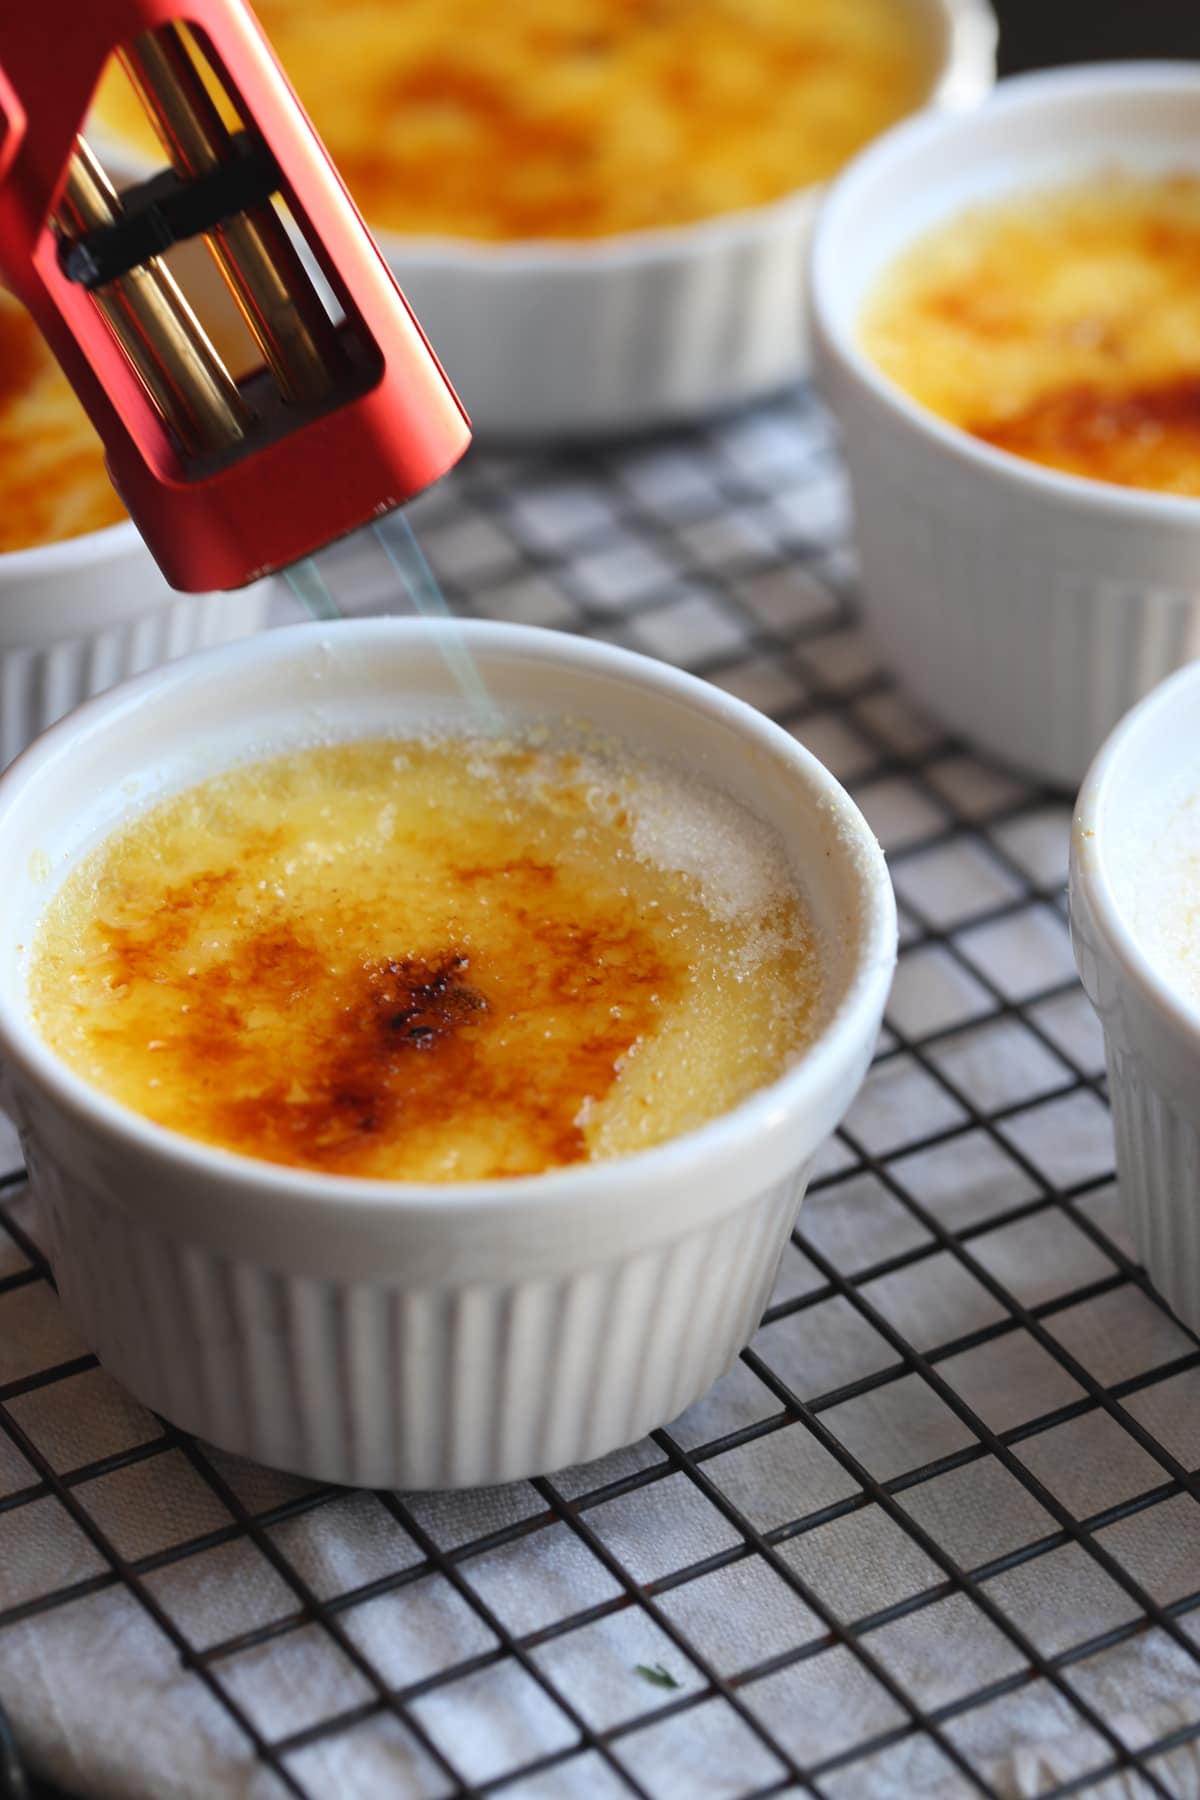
[(934, 1534)]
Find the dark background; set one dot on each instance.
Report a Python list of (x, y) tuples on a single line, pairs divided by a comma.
[(1034, 33)]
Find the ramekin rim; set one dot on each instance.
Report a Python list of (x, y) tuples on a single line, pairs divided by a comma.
[(662, 1166), (1090, 877), (67, 555), (835, 335)]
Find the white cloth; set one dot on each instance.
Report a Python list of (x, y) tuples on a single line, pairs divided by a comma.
[(103, 1704)]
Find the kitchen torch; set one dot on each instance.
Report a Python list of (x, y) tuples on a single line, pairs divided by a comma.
[(341, 411)]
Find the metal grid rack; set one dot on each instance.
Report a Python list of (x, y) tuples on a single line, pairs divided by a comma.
[(944, 1503)]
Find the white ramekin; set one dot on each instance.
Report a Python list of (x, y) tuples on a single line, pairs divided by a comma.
[(1028, 609), (577, 339), (1146, 769), (79, 615), (397, 1334)]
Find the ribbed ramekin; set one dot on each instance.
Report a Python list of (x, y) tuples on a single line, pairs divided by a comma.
[(1147, 768), (574, 339), (1028, 609), (81, 614), (397, 1334)]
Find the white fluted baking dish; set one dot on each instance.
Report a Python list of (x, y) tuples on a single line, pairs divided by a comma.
[(1147, 769), (576, 339), (563, 338), (388, 1333), (1027, 608), (78, 615)]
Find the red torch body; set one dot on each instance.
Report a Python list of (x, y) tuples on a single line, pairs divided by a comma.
[(344, 412)]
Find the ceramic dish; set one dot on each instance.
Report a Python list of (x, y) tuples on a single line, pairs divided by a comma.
[(78, 615), (1149, 767), (579, 339), (1027, 608), (396, 1334), (563, 338)]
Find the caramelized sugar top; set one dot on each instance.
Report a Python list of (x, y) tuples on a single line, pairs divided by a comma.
[(1063, 327), (532, 119), (431, 960), (53, 482)]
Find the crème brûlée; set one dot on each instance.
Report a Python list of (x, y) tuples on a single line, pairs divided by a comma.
[(467, 119), (1061, 326), (432, 959), (53, 483)]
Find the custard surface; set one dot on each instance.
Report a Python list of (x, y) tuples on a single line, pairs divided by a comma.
[(53, 483), (533, 120), (1062, 326), (431, 960), (1156, 878)]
